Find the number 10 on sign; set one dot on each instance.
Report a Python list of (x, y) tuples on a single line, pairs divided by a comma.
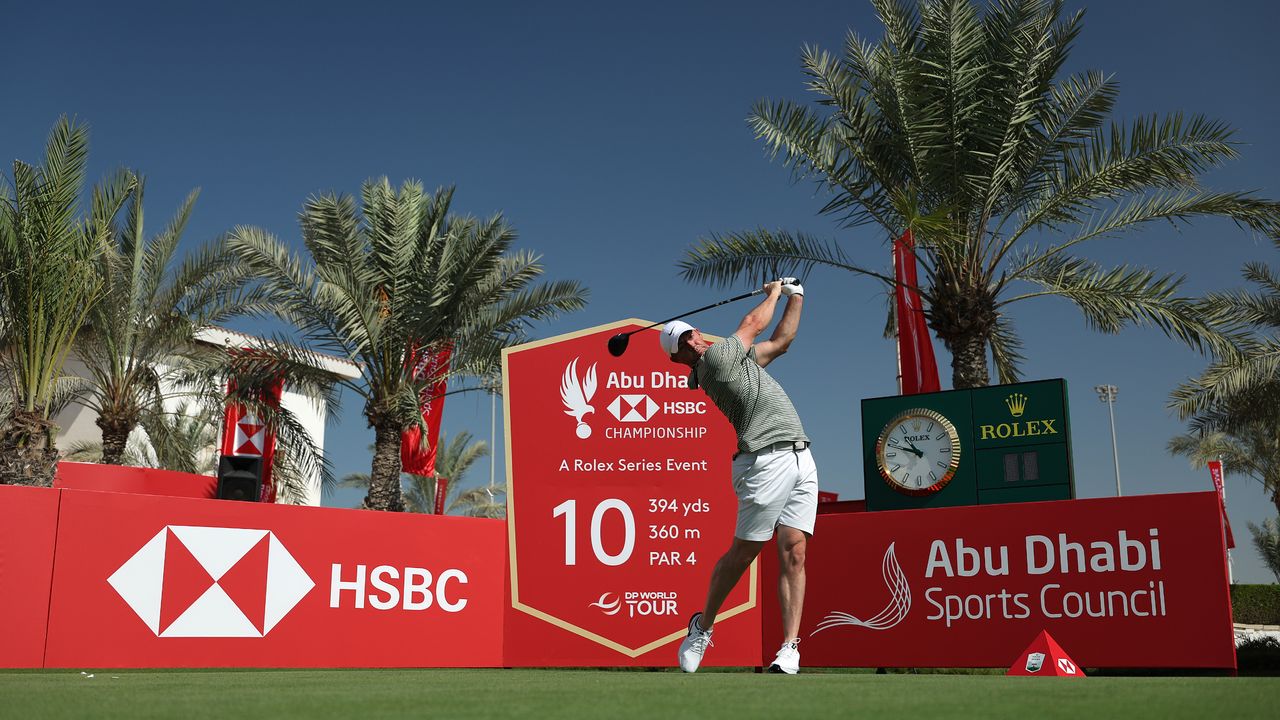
[(568, 509)]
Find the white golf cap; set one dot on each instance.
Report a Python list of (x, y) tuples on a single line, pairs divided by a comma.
[(670, 337)]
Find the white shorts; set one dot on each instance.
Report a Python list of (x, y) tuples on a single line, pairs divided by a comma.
[(775, 487)]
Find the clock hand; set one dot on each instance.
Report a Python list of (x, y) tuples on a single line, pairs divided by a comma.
[(912, 447)]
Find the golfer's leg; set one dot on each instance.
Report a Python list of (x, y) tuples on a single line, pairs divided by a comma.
[(791, 547), (726, 574)]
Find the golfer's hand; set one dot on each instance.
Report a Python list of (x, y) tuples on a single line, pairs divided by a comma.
[(791, 286), (772, 289)]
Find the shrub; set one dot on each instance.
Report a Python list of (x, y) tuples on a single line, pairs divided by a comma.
[(1256, 604)]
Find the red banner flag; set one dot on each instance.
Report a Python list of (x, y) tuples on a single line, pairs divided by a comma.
[(442, 492), (917, 367), (1215, 472), (244, 434), (414, 458)]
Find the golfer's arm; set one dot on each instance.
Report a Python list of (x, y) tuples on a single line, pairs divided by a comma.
[(777, 344), (757, 320)]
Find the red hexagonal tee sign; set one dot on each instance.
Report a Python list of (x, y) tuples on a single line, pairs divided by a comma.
[(619, 498)]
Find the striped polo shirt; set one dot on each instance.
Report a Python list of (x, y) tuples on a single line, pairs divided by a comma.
[(755, 404)]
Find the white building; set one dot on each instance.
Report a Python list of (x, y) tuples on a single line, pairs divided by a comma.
[(78, 424)]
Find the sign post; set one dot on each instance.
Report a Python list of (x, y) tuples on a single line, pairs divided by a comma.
[(619, 504)]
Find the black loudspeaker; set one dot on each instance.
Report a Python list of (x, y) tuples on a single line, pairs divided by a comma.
[(239, 478)]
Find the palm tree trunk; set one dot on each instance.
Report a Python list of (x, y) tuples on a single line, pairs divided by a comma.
[(115, 434), (28, 455), (969, 362), (384, 476)]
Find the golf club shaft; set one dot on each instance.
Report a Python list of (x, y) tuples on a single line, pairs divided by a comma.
[(735, 298)]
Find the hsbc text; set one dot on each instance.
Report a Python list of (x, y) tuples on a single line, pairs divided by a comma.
[(390, 586)]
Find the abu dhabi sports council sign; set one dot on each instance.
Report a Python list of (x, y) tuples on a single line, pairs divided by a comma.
[(619, 504), (1120, 582), (149, 581)]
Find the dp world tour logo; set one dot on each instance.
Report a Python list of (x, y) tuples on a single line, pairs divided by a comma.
[(211, 582), (892, 614), (576, 395), (608, 606)]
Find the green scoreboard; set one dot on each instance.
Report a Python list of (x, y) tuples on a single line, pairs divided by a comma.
[(1000, 444)]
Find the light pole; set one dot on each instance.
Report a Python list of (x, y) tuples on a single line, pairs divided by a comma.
[(1107, 394)]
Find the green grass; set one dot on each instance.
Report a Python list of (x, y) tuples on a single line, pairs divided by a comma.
[(243, 694)]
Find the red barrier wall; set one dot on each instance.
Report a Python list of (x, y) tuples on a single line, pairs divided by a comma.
[(28, 525), (149, 581), (146, 481), (972, 586), (123, 580)]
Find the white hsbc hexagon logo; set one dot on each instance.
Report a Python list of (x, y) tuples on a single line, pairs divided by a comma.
[(190, 581), (633, 408)]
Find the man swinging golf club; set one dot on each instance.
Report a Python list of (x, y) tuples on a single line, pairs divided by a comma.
[(773, 472)]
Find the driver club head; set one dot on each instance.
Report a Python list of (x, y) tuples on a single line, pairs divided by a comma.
[(618, 344)]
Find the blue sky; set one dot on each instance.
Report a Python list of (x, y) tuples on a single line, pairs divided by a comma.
[(612, 136)]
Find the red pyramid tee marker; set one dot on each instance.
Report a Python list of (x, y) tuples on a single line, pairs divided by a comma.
[(1044, 657)]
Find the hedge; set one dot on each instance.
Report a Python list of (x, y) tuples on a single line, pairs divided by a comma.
[(1256, 604)]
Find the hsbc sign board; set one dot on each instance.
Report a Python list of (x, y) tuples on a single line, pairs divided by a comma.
[(174, 582), (620, 502)]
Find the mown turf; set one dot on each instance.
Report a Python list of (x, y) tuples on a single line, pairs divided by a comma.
[(244, 694)]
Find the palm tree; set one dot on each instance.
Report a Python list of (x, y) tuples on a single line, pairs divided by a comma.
[(1234, 405), (1251, 451), (48, 285), (398, 277), (956, 126), (178, 440), (150, 311), (455, 458), (1242, 384), (1266, 538)]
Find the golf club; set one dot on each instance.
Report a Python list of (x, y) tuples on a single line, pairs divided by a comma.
[(618, 343)]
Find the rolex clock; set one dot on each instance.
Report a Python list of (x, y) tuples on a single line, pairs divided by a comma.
[(918, 451)]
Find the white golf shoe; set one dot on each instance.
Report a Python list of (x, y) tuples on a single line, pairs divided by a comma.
[(694, 645), (788, 659)]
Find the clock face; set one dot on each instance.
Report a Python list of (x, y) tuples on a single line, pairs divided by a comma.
[(918, 452)]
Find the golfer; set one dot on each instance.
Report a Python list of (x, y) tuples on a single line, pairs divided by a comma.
[(773, 473)]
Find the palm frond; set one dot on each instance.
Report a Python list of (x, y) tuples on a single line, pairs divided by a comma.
[(1266, 539), (723, 259), (1006, 351), (1112, 299), (1256, 366)]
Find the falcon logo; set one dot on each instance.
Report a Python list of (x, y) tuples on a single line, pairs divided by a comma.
[(892, 614), (633, 408), (211, 582), (576, 395)]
